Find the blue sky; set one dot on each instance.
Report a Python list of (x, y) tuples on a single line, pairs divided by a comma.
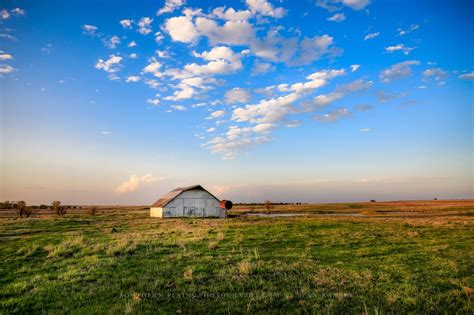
[(313, 101)]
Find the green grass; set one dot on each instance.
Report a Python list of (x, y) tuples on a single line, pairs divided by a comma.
[(127, 262)]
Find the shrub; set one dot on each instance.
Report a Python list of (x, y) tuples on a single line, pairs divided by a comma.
[(22, 210), (268, 205), (58, 209)]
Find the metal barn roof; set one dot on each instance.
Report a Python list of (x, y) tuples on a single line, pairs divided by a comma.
[(166, 199)]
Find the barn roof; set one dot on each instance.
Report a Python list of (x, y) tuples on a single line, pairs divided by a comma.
[(166, 199)]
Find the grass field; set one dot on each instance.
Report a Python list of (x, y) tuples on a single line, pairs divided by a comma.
[(375, 258)]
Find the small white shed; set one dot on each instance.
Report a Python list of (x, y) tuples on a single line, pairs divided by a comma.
[(192, 201)]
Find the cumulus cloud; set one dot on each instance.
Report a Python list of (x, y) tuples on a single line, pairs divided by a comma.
[(293, 51), (106, 133), (112, 42), (153, 102), (399, 47), (5, 69), (217, 114), (237, 95), (338, 17), (467, 76), (89, 29), (238, 139), (262, 68), (265, 8), (126, 23), (275, 109), (436, 74), (371, 35), (181, 29), (179, 107), (133, 78), (5, 56), (340, 92), (132, 44), (333, 116), (231, 15), (144, 25), (398, 71), (5, 14), (334, 5), (110, 65), (354, 68), (412, 28), (170, 6), (134, 182)]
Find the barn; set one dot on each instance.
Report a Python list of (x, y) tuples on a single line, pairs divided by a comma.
[(192, 201)]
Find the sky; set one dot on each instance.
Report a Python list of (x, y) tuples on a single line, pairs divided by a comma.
[(118, 102)]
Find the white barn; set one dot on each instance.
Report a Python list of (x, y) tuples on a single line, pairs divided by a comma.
[(192, 201)]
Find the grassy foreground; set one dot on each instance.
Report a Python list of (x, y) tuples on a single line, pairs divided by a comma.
[(123, 261)]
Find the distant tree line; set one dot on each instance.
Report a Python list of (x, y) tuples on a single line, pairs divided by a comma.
[(24, 211)]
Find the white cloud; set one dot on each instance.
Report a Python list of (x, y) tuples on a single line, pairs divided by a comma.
[(231, 15), (212, 129), (4, 69), (154, 68), (412, 28), (145, 25), (467, 76), (158, 37), (7, 36), (371, 35), (437, 74), (365, 129), (133, 183), (179, 107), (170, 6), (181, 29), (110, 65), (133, 78), (333, 116), (262, 68), (265, 8), (334, 5), (112, 42), (106, 132), (89, 29), (399, 47), (154, 102), (398, 71), (354, 68), (217, 114), (132, 44), (5, 56), (275, 109), (17, 12), (338, 17), (133, 56), (126, 23), (237, 95), (338, 93), (238, 139), (4, 14), (231, 33)]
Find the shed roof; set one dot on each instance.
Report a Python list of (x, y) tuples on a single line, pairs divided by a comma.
[(166, 199)]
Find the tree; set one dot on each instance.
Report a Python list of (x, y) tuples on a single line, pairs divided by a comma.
[(57, 208), (268, 205), (20, 209)]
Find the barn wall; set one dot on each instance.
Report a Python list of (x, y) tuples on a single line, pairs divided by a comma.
[(194, 203), (156, 212)]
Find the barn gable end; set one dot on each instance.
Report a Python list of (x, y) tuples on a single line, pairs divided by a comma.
[(192, 201)]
